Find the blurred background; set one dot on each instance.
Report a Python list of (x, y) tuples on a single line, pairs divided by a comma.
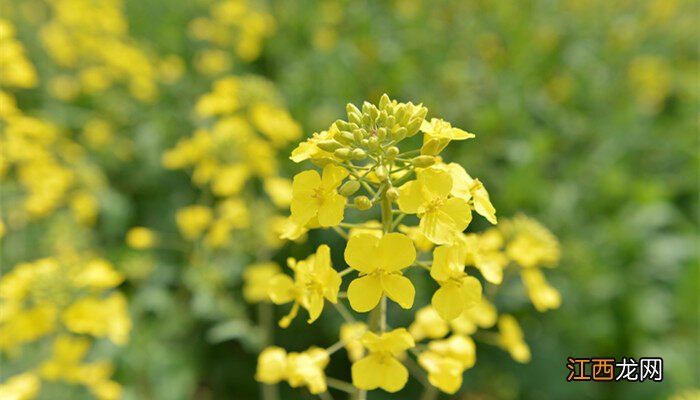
[(586, 116)]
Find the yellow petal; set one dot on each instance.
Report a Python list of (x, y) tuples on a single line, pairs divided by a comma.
[(482, 202), (281, 289), (314, 304), (333, 175), (471, 292), (331, 210), (361, 252), (410, 197), (395, 252), (400, 289), (458, 209), (438, 227), (435, 181), (364, 293), (447, 301), (380, 371), (447, 263)]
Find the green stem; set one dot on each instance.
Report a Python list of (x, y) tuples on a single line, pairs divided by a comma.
[(266, 318)]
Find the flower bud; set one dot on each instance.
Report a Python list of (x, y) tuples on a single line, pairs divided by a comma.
[(349, 188), (384, 101), (357, 135), (351, 109), (413, 126), (399, 134), (329, 145), (344, 137), (381, 134), (381, 173), (392, 194), (359, 154), (373, 143), (423, 161), (362, 203), (392, 152), (355, 118), (343, 154)]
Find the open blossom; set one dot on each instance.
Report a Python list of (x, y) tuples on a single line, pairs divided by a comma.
[(317, 195), (531, 244), (381, 368), (438, 134), (380, 262), (428, 324), (543, 296), (468, 188), (314, 280), (442, 217), (299, 369), (256, 279), (446, 360), (458, 291)]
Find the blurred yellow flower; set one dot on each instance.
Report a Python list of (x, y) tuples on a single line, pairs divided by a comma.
[(306, 369), (511, 339), (351, 335), (543, 296), (193, 220), (428, 324), (458, 291), (140, 237), (256, 279)]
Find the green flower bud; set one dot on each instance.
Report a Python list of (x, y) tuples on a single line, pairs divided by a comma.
[(392, 152), (423, 161), (355, 118), (390, 121), (373, 143), (384, 101), (349, 188), (382, 117), (343, 154), (345, 126), (357, 135), (401, 115), (329, 145), (392, 194), (413, 126), (345, 137), (399, 134), (381, 173), (359, 154), (351, 109), (362, 203), (381, 134)]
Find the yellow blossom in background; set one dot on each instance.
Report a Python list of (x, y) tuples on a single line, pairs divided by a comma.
[(140, 237), (100, 317), (351, 335), (272, 365), (381, 368), (530, 244), (24, 386), (428, 324), (256, 280), (306, 369), (15, 69), (380, 261), (444, 373), (193, 220), (511, 339), (543, 296), (482, 315)]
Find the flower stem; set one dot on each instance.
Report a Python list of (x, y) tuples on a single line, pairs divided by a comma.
[(266, 318)]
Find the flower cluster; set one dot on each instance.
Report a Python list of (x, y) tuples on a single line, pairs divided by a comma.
[(424, 206), (241, 25), (66, 302)]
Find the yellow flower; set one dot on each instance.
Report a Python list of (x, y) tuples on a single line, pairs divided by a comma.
[(511, 339), (140, 238), (543, 296), (380, 262), (290, 230), (484, 251), (482, 315), (314, 195), (458, 347), (531, 243), (351, 334), (256, 279), (306, 369), (468, 188), (68, 352), (98, 274), (24, 386), (309, 150), (272, 365), (314, 280), (100, 317), (428, 324), (193, 220), (279, 190), (444, 373), (381, 368), (230, 179), (438, 134), (442, 218), (275, 123), (421, 241), (458, 291)]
